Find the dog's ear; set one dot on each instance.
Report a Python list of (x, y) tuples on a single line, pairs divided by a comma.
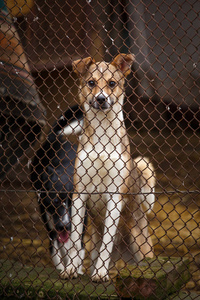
[(81, 66), (123, 62)]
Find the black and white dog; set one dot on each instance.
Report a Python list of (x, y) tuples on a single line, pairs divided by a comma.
[(52, 178)]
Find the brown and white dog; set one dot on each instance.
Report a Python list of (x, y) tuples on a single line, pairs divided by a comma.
[(112, 185)]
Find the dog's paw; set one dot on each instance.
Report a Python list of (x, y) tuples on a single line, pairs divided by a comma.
[(100, 275), (69, 272)]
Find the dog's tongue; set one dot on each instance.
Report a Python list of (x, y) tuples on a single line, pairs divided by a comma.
[(63, 236)]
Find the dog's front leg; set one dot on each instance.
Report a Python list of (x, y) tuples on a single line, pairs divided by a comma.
[(113, 211), (74, 256)]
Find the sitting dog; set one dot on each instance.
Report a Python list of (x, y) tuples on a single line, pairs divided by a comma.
[(52, 177), (106, 179)]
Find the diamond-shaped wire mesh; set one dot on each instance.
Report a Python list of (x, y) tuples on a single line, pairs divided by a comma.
[(90, 210)]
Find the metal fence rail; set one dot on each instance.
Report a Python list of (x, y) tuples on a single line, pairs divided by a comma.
[(39, 102)]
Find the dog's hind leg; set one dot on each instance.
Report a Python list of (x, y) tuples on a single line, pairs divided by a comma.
[(147, 182), (140, 240)]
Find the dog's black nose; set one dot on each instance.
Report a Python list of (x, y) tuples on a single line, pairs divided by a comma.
[(60, 226), (101, 99)]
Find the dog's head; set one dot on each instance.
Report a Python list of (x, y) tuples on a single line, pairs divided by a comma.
[(55, 205), (57, 214), (101, 83)]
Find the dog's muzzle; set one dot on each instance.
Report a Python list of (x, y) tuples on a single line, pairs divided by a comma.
[(63, 232), (101, 102)]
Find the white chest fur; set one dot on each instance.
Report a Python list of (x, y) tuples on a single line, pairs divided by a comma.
[(101, 172), (101, 176), (102, 165), (102, 162)]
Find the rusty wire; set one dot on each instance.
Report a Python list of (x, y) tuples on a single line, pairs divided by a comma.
[(39, 41)]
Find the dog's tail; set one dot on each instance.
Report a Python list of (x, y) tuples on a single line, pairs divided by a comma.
[(147, 181), (69, 123)]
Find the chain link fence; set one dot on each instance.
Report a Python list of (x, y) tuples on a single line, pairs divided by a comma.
[(41, 119)]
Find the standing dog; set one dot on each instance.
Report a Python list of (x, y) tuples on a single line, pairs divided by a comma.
[(52, 177), (106, 179)]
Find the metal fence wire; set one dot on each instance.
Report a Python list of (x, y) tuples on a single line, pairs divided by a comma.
[(117, 217)]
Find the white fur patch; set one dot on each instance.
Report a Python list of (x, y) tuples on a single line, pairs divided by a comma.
[(75, 127), (65, 218)]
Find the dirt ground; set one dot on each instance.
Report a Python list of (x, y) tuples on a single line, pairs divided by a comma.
[(174, 222)]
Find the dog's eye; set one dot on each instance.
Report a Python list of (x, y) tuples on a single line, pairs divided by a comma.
[(112, 84), (56, 202), (91, 83)]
